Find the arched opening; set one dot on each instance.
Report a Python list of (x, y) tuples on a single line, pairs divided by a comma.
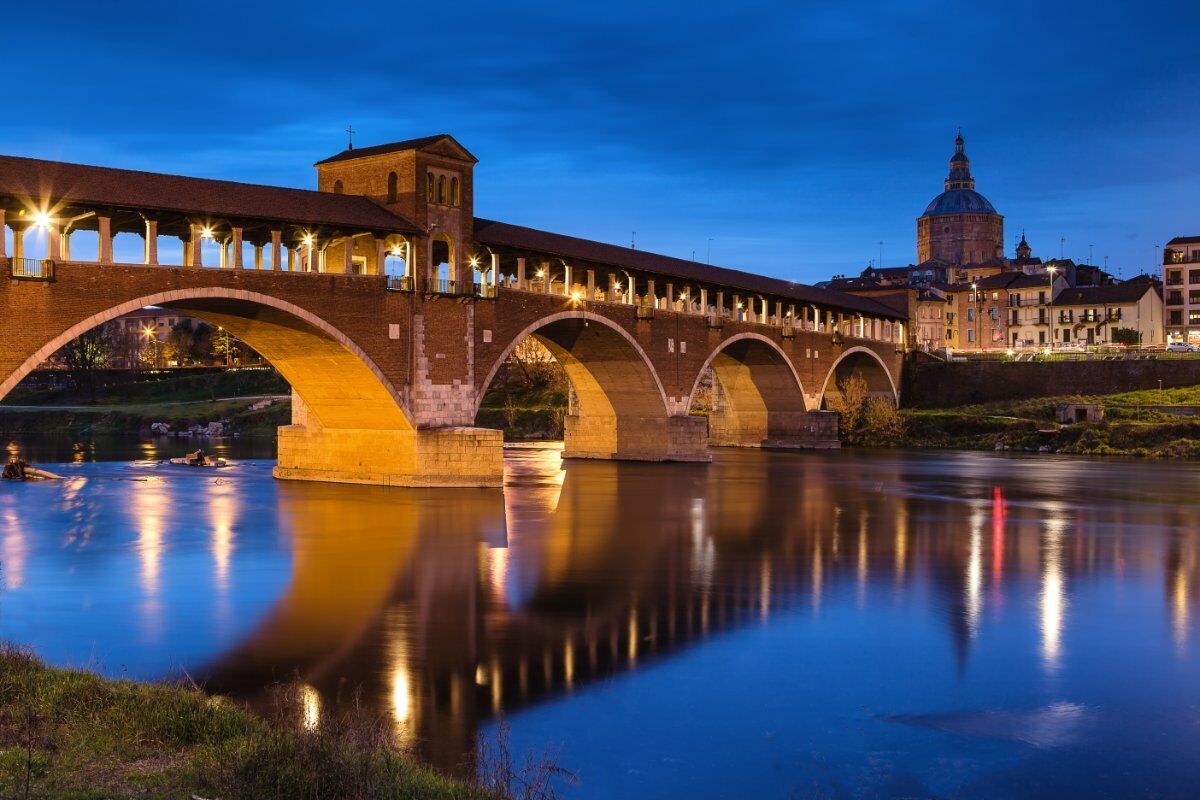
[(338, 187), (615, 404), (441, 189), (429, 187), (441, 260), (454, 191), (859, 364), (752, 396)]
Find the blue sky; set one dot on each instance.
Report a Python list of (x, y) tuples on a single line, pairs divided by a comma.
[(795, 135)]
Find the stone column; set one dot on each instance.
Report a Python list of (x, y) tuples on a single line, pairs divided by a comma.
[(630, 298), (291, 263), (348, 255), (236, 244), (546, 276), (151, 236), (791, 315), (106, 245), (53, 242), (187, 250), (779, 312), (720, 303), (276, 246), (495, 272), (651, 295), (704, 301), (65, 243), (380, 255), (671, 296), (568, 280), (258, 255), (18, 242), (3, 243), (521, 274), (197, 246)]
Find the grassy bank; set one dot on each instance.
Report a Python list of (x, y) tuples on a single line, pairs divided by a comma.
[(1128, 429), (70, 735), (136, 418), (525, 413)]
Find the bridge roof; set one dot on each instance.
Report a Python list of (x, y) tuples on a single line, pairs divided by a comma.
[(60, 182), (569, 247)]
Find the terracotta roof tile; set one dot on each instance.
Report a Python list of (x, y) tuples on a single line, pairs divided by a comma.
[(516, 236), (57, 181)]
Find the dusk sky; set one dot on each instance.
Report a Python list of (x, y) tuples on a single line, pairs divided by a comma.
[(796, 136)]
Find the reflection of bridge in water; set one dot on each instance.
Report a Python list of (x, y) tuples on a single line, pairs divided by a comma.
[(480, 604)]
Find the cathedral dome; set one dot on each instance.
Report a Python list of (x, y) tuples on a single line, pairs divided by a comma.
[(959, 201)]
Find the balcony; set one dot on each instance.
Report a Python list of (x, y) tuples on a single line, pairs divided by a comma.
[(31, 269), (400, 283)]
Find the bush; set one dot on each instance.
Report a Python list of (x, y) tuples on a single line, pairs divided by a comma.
[(882, 425)]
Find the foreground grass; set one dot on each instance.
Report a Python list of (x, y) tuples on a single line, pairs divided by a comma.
[(1129, 429), (71, 735)]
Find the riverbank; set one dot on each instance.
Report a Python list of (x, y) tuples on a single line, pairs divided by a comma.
[(72, 734), (245, 415), (1133, 426)]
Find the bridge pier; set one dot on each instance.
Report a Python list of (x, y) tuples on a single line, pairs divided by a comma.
[(457, 456), (815, 430), (635, 439)]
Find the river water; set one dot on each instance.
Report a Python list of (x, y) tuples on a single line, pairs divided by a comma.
[(848, 624)]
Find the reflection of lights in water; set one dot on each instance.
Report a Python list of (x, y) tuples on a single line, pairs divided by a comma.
[(901, 543), (150, 505), (817, 575), (497, 686), (1053, 601), (633, 635), (1179, 604), (496, 564), (974, 588), (401, 694), (569, 662), (481, 676), (704, 551), (222, 510), (764, 588), (310, 707), (15, 550), (862, 558), (999, 512)]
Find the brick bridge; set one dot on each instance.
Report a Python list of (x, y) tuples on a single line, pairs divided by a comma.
[(389, 308)]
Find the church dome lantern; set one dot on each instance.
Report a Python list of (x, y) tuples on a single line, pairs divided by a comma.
[(960, 225)]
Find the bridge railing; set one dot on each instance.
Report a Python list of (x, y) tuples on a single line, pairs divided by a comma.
[(400, 283), (33, 269)]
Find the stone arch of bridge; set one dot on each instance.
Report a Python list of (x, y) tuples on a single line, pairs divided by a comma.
[(339, 384), (619, 409), (758, 395), (861, 361)]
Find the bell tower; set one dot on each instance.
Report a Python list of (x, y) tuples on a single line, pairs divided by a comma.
[(428, 181)]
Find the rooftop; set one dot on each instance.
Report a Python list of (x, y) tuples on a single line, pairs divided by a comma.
[(395, 147), (31, 180), (1184, 240), (506, 235)]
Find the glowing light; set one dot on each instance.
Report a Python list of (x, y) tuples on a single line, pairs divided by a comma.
[(474, 261), (42, 220), (148, 331), (308, 240), (310, 700), (541, 273), (575, 296), (207, 233), (1011, 352)]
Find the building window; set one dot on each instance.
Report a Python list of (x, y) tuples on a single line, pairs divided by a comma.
[(337, 187), (1066, 335), (1194, 297), (1041, 337), (392, 187), (441, 189), (1194, 318), (1194, 276), (970, 336), (1174, 278), (1176, 317), (970, 315), (429, 187), (454, 191), (1174, 298)]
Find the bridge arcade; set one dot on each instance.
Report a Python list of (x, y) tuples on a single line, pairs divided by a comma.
[(389, 307)]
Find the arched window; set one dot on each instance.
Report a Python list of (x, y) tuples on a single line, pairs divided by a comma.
[(429, 187), (337, 187), (441, 194), (454, 191), (392, 180)]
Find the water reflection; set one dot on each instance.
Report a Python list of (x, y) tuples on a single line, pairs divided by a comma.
[(443, 609)]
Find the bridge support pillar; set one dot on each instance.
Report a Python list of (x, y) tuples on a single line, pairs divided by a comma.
[(423, 457), (636, 439), (816, 430)]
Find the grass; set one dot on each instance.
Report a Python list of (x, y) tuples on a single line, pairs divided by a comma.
[(72, 735), (1127, 430), (136, 417)]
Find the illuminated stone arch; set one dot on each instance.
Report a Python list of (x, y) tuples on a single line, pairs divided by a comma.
[(337, 383), (758, 396), (619, 409), (865, 362)]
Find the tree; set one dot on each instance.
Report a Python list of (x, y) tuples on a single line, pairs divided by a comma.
[(226, 346), (179, 344), (849, 402), (87, 353), (1126, 336), (882, 425)]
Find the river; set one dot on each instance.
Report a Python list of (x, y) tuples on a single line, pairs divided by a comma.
[(845, 624)]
